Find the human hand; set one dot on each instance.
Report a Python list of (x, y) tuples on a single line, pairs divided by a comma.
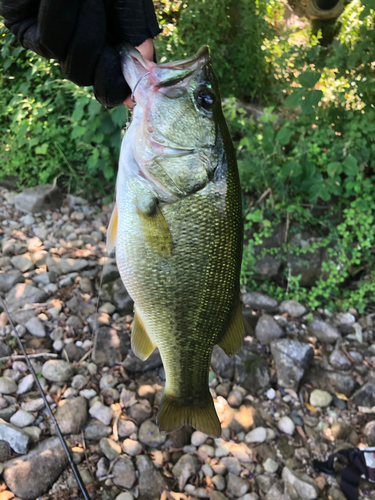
[(82, 35)]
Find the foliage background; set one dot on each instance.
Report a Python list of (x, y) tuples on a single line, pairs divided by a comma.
[(302, 119)]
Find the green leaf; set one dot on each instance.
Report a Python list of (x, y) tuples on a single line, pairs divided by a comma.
[(334, 168), (350, 166), (294, 99), (78, 112), (308, 79), (78, 132), (41, 150), (292, 169), (119, 115), (283, 135), (312, 97), (256, 216)]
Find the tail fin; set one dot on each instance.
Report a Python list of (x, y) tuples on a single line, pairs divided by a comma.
[(172, 416)]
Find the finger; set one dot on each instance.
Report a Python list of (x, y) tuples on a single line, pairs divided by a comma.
[(110, 87), (57, 22), (87, 44)]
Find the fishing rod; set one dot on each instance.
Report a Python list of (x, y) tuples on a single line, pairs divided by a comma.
[(73, 466)]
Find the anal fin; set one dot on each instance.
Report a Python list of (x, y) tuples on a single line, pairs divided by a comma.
[(234, 335), (141, 344)]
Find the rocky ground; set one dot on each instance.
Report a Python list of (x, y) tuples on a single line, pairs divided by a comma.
[(301, 387)]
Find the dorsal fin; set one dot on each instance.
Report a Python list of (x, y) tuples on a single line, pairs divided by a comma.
[(234, 335), (112, 230)]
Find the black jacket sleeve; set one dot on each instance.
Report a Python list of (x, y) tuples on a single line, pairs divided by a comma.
[(82, 35)]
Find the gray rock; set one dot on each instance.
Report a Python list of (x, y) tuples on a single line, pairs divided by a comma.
[(219, 482), (140, 411), (237, 486), (108, 380), (74, 322), (251, 371), (111, 346), (25, 384), (7, 413), (270, 465), (332, 381), (293, 308), (133, 364), (15, 437), (35, 327), (57, 370), (365, 396), (222, 364), (125, 428), (23, 262), (257, 435), (74, 352), (115, 293), (299, 486), (33, 405), (124, 473), (5, 451), (256, 300), (72, 265), (101, 412), (187, 465), (102, 467), (5, 350), (22, 419), (39, 199), (78, 306), (217, 495), (150, 482), (32, 475), (131, 447), (291, 359), (268, 330), (232, 465), (8, 280), (339, 360), (345, 318), (7, 385), (369, 432), (24, 293), (110, 273), (94, 432), (324, 332), (79, 382), (150, 435), (109, 448), (198, 438), (71, 415)]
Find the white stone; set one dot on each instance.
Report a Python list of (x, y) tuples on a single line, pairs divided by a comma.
[(25, 384), (198, 438), (286, 425), (35, 327), (257, 435), (320, 398), (22, 418), (270, 465)]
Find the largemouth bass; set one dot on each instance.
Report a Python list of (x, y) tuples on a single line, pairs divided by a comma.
[(177, 229)]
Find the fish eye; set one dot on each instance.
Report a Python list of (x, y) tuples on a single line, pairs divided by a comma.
[(205, 99)]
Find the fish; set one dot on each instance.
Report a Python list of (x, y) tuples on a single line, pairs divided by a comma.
[(177, 230)]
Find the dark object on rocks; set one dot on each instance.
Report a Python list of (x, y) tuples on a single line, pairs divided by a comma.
[(365, 396), (268, 330), (292, 358), (32, 475), (133, 364), (222, 364), (110, 273), (111, 345), (5, 350), (251, 371), (256, 300), (179, 437), (8, 280), (150, 482), (39, 198)]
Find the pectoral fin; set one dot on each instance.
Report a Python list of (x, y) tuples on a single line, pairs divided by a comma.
[(234, 335), (154, 226), (112, 230), (141, 344)]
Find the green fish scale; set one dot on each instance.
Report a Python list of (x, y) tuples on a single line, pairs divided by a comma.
[(185, 300)]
